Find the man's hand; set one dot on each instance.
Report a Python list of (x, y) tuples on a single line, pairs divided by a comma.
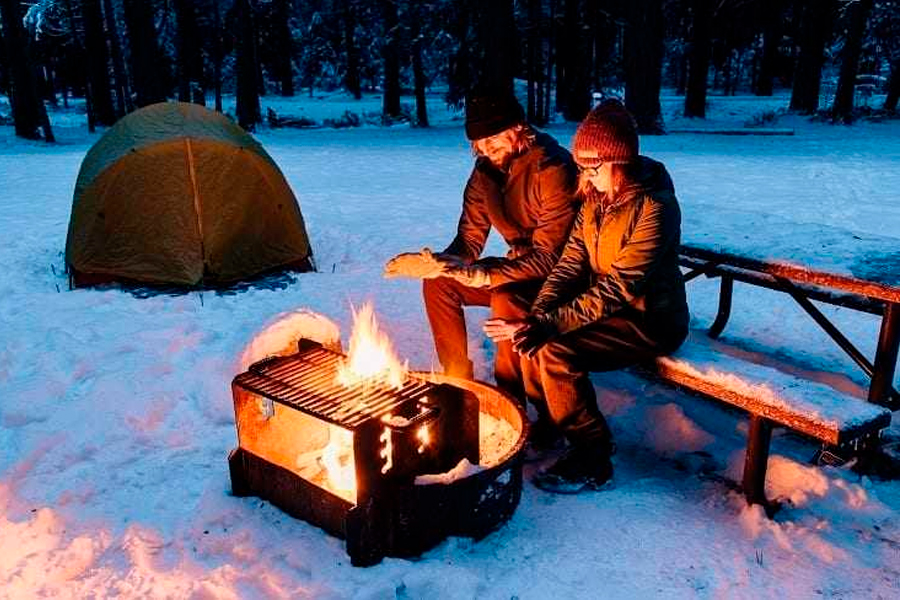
[(502, 330), (535, 332), (418, 265)]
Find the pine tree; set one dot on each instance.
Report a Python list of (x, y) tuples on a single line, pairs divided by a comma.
[(248, 111), (815, 31), (772, 11), (415, 19), (390, 54), (98, 62), (698, 61), (28, 110), (124, 103), (644, 35), (189, 62), (348, 23), (858, 15), (146, 67)]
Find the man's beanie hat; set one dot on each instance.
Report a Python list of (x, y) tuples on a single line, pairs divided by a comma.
[(489, 113), (607, 134)]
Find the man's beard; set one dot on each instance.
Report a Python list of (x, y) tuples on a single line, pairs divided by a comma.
[(502, 162)]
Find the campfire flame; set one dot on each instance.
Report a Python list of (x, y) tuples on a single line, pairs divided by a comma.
[(371, 357), (371, 360)]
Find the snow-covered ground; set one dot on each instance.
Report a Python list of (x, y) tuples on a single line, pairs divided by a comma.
[(116, 413)]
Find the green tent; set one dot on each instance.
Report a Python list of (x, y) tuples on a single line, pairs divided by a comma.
[(178, 194)]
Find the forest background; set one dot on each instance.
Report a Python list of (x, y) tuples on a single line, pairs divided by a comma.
[(119, 55)]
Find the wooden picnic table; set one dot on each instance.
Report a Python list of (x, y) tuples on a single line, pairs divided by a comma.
[(807, 262)]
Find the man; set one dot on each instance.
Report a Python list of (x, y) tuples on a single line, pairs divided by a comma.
[(523, 185)]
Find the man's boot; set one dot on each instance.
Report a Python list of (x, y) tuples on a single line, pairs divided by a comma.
[(580, 469), (543, 437)]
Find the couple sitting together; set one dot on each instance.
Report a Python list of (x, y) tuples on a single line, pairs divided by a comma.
[(590, 282)]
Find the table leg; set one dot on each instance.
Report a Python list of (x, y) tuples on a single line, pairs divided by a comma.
[(880, 391), (756, 460), (726, 289)]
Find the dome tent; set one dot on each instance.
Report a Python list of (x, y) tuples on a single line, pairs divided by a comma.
[(177, 194)]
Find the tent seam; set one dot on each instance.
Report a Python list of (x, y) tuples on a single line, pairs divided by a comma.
[(196, 193)]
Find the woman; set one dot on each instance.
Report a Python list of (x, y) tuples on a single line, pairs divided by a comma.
[(615, 298)]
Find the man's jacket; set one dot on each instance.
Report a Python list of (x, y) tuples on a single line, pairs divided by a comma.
[(532, 206), (622, 253)]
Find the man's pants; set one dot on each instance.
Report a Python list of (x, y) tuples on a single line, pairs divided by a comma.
[(557, 375), (444, 302)]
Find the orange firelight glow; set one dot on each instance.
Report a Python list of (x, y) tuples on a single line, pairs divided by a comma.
[(337, 459), (424, 438)]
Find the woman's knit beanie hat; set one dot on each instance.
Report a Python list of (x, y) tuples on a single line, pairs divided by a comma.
[(490, 112), (607, 134)]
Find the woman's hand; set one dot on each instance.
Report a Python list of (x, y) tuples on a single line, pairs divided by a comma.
[(532, 335), (502, 330)]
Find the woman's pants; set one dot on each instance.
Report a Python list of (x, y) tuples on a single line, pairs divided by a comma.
[(557, 375)]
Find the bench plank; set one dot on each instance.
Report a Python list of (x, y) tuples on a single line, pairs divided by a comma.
[(800, 404)]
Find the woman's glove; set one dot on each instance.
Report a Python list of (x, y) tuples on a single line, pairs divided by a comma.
[(538, 330), (418, 265)]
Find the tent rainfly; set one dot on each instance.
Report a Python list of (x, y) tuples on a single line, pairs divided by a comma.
[(177, 194)]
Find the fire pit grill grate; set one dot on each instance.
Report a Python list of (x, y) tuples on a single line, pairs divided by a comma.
[(390, 513), (308, 382)]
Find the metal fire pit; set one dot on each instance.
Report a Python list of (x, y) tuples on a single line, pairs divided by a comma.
[(284, 408)]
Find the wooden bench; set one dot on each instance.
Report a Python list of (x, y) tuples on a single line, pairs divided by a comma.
[(771, 398)]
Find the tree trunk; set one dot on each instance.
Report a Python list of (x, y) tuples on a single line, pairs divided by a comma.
[(567, 51), (890, 101), (643, 64), (681, 80), (459, 72), (4, 66), (217, 54), (261, 87), (390, 55), (80, 57), (123, 96), (190, 60), (815, 32), (146, 71), (348, 22), (48, 84), (98, 62), (551, 59), (285, 46), (248, 112), (532, 73), (497, 42), (576, 67), (856, 29), (28, 110), (604, 43), (772, 13), (698, 63), (419, 80)]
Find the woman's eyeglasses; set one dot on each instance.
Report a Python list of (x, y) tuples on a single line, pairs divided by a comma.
[(590, 171)]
